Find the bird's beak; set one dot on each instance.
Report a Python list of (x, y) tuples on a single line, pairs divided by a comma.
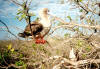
[(48, 11)]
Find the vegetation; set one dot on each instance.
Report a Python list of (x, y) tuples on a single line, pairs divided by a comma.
[(84, 39), (27, 55)]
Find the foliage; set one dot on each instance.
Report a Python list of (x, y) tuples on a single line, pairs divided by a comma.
[(79, 43), (24, 13), (7, 57), (66, 35), (10, 48), (27, 53), (4, 57), (69, 17), (19, 63), (80, 0)]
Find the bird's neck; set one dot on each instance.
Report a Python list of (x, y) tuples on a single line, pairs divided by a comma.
[(45, 20)]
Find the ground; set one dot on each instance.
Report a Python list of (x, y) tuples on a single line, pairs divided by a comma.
[(23, 54)]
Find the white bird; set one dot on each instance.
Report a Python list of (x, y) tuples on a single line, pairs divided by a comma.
[(72, 55)]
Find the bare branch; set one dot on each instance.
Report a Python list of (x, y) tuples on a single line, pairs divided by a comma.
[(62, 26), (71, 24), (10, 65), (16, 3), (29, 3), (8, 29), (82, 62), (17, 28), (85, 8)]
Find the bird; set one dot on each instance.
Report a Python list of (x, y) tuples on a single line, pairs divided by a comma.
[(72, 55), (40, 27)]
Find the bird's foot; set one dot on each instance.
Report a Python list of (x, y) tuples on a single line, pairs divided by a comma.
[(38, 41), (43, 41)]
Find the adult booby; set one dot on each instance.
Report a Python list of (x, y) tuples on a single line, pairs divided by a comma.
[(40, 28)]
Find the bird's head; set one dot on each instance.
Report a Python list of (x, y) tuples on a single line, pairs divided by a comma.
[(43, 11)]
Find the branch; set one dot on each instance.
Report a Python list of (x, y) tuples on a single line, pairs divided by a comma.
[(11, 65), (17, 28), (26, 7), (85, 8), (29, 17), (29, 3), (75, 64), (82, 7), (62, 26), (71, 24), (30, 25), (8, 29), (82, 62), (16, 3)]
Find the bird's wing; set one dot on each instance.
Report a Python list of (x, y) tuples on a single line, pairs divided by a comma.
[(36, 27)]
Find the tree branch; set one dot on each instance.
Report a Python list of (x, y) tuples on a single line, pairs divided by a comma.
[(71, 24), (26, 11), (82, 62), (11, 65), (8, 29), (16, 3)]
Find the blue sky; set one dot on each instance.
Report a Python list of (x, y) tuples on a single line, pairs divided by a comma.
[(8, 13)]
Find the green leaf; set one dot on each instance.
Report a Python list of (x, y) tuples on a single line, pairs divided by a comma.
[(84, 55), (69, 18), (17, 17), (0, 56), (88, 21), (21, 56), (81, 10), (23, 15), (19, 63), (76, 29), (24, 66), (20, 18), (34, 45), (80, 0), (66, 35), (18, 13), (88, 48), (6, 54), (79, 44)]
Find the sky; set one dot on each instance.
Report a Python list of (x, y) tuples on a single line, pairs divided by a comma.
[(8, 12)]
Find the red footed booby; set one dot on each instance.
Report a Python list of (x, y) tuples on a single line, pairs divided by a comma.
[(40, 28)]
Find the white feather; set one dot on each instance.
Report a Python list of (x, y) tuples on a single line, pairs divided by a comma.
[(72, 55), (44, 18)]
